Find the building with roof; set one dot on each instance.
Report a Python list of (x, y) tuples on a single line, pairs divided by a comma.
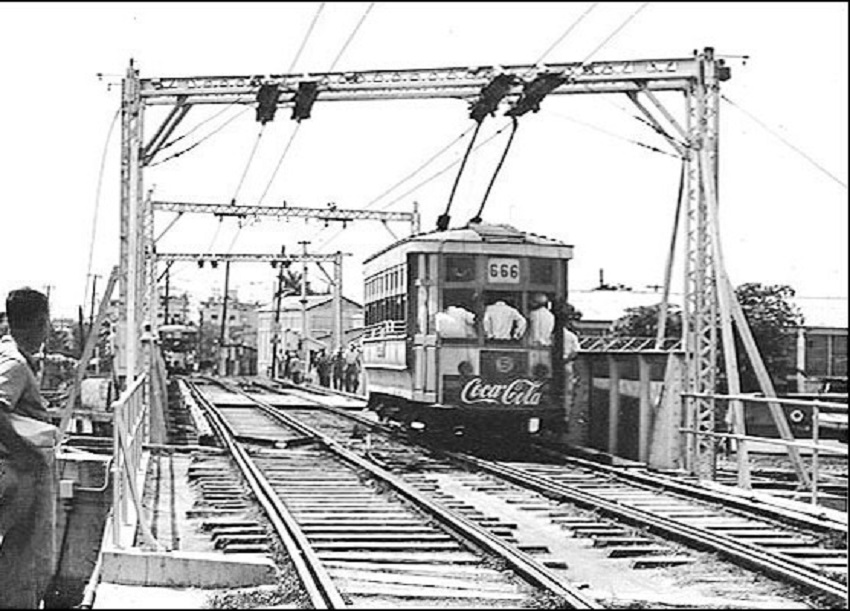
[(319, 309)]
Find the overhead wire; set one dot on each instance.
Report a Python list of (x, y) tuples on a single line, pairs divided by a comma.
[(566, 33), (306, 37), (790, 145), (97, 201), (201, 141), (333, 65), (196, 127), (351, 36)]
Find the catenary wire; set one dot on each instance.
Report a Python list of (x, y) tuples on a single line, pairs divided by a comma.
[(778, 136), (333, 65), (306, 37), (566, 33), (204, 139)]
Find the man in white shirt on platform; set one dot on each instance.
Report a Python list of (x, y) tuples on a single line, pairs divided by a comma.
[(502, 321)]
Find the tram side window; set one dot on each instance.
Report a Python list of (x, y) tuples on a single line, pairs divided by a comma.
[(503, 320), (457, 319)]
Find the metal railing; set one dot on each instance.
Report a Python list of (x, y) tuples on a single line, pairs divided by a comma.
[(814, 443), (130, 431), (610, 343)]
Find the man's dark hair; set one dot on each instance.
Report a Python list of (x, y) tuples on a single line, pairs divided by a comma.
[(26, 308)]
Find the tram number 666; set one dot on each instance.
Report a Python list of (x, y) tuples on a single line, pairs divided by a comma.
[(503, 270)]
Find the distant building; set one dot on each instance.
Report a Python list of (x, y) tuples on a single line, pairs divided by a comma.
[(319, 325), (818, 349), (177, 306), (240, 332)]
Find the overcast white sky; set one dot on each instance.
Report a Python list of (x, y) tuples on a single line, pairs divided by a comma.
[(572, 173)]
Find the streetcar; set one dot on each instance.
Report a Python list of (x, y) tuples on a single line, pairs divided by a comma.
[(451, 344), (179, 348)]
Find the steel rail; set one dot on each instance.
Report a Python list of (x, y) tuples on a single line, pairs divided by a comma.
[(816, 521), (320, 587), (463, 528), (743, 553)]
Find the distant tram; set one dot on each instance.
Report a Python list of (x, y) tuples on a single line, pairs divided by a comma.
[(179, 348), (451, 342)]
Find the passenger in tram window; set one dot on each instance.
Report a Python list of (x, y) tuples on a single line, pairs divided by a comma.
[(455, 322), (541, 321), (26, 527), (502, 321)]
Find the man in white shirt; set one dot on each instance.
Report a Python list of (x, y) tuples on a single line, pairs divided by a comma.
[(455, 322), (541, 321), (502, 321), (571, 348)]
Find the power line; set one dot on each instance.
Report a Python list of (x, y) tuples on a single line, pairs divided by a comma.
[(787, 143), (97, 200), (351, 36), (306, 37), (567, 32), (615, 32), (250, 159), (279, 162), (202, 140), (196, 127), (613, 135)]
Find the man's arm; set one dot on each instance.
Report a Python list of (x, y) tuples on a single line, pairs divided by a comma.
[(22, 454)]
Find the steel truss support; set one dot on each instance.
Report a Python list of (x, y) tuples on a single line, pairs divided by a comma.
[(250, 258)]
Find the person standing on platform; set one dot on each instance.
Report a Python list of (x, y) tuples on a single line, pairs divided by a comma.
[(338, 370), (352, 369), (26, 514), (571, 348)]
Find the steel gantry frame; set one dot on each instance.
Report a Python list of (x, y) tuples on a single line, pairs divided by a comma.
[(709, 305)]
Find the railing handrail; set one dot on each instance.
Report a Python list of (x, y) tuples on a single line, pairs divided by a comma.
[(828, 405)]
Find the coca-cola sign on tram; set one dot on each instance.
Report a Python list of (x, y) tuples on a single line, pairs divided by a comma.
[(504, 381)]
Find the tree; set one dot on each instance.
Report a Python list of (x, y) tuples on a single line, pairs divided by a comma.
[(772, 318), (642, 321)]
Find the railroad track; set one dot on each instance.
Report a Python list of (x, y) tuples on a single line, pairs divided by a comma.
[(359, 536), (799, 549)]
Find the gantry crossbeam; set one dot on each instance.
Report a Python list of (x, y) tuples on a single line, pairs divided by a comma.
[(331, 213), (462, 82)]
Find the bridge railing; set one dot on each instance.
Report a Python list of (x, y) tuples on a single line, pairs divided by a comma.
[(813, 444), (131, 413)]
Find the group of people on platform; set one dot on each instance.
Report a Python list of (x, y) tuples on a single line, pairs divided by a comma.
[(340, 370)]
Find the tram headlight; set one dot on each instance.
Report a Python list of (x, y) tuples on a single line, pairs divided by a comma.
[(540, 371), (465, 368)]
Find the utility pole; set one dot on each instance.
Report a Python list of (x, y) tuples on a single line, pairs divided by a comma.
[(276, 331), (167, 293), (305, 344), (222, 347)]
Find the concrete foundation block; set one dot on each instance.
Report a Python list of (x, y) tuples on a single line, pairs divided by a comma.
[(186, 569)]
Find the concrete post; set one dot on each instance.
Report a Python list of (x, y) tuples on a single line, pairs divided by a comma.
[(613, 403)]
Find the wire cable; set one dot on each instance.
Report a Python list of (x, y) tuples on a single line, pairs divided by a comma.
[(306, 37), (615, 32), (97, 200), (786, 142), (279, 163), (333, 65), (351, 36), (420, 168), (196, 127), (613, 135), (566, 33), (248, 165), (202, 140)]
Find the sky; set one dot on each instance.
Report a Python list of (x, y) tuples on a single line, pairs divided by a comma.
[(574, 171)]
